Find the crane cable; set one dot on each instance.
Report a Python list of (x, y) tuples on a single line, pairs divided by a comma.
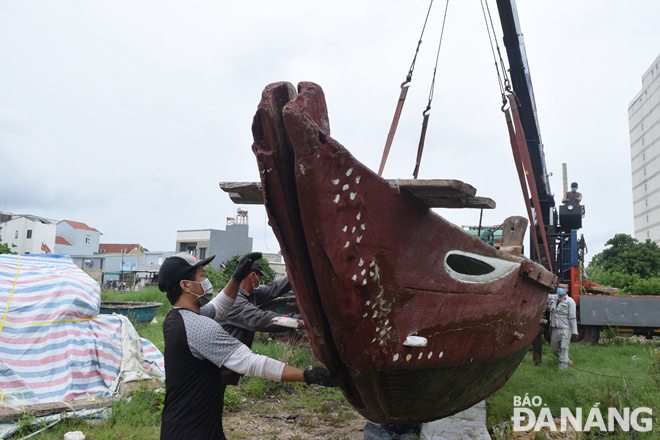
[(505, 86), (427, 112), (402, 98), (518, 143)]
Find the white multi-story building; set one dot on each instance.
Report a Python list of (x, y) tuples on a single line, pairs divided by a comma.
[(644, 126), (29, 234)]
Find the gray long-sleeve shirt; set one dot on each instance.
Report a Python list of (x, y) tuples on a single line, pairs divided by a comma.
[(245, 317), (562, 313)]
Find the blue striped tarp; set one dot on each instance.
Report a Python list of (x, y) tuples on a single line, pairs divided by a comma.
[(54, 344)]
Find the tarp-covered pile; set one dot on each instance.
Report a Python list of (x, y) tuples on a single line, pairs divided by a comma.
[(54, 344)]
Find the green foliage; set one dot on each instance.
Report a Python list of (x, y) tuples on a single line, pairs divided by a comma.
[(654, 368), (649, 286), (627, 264), (612, 278), (218, 279), (230, 266), (6, 249), (597, 377), (29, 424), (144, 408), (629, 256)]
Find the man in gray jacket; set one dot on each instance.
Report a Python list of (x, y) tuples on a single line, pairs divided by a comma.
[(563, 323), (245, 317)]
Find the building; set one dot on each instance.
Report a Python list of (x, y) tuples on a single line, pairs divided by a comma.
[(76, 238), (122, 248), (224, 245), (29, 233), (276, 262), (644, 128)]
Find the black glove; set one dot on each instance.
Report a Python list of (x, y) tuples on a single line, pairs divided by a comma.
[(243, 266), (321, 376)]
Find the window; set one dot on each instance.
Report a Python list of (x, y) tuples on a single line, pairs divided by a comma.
[(647, 202), (642, 141), (648, 234), (645, 171), (642, 126), (88, 239), (16, 235), (643, 156), (202, 253), (29, 233), (26, 253), (647, 218), (645, 187)]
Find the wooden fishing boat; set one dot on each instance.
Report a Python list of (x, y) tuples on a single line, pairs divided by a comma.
[(424, 319)]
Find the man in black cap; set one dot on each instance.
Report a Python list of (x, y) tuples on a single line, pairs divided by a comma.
[(573, 197), (245, 317), (196, 347)]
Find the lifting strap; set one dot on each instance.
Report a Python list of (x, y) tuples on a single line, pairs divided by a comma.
[(521, 177), (402, 99), (427, 112), (523, 161)]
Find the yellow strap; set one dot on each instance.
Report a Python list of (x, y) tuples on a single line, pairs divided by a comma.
[(48, 322), (18, 269)]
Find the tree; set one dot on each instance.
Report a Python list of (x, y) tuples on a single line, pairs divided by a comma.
[(627, 264), (629, 256), (220, 278), (5, 249)]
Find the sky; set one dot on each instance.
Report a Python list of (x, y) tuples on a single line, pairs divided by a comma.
[(125, 115)]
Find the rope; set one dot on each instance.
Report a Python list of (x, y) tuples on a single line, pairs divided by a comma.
[(426, 113), (419, 43), (402, 99), (18, 269), (589, 372), (57, 321), (492, 37)]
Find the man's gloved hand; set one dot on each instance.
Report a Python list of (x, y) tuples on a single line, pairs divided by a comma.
[(243, 266), (321, 376)]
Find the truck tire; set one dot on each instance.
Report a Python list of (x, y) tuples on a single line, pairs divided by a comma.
[(588, 334)]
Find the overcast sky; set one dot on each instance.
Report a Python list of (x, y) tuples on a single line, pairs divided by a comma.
[(125, 115)]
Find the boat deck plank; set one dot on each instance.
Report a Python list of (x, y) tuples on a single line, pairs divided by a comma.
[(244, 193), (433, 193)]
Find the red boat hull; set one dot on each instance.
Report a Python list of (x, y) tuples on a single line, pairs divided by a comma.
[(371, 266)]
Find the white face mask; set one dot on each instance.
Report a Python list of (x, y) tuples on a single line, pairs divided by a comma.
[(208, 291)]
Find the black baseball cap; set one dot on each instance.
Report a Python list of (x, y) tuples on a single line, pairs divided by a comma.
[(256, 267), (175, 267)]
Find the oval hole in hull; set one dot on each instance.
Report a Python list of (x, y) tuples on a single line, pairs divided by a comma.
[(468, 265)]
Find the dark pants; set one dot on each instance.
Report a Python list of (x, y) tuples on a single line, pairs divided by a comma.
[(222, 410)]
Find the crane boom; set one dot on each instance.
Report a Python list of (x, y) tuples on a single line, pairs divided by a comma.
[(521, 81)]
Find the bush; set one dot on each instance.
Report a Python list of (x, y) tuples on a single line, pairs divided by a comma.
[(649, 286), (218, 279), (612, 278)]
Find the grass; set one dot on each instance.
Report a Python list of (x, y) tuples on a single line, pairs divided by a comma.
[(615, 374)]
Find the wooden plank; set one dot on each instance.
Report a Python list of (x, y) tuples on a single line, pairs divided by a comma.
[(428, 189), (244, 193), (44, 409), (434, 193), (459, 203), (438, 193)]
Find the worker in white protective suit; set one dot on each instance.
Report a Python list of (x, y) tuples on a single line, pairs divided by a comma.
[(563, 324)]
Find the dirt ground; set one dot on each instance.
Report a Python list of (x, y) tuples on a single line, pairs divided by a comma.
[(271, 424)]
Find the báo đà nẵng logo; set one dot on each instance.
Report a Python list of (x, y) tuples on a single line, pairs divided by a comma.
[(532, 414)]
